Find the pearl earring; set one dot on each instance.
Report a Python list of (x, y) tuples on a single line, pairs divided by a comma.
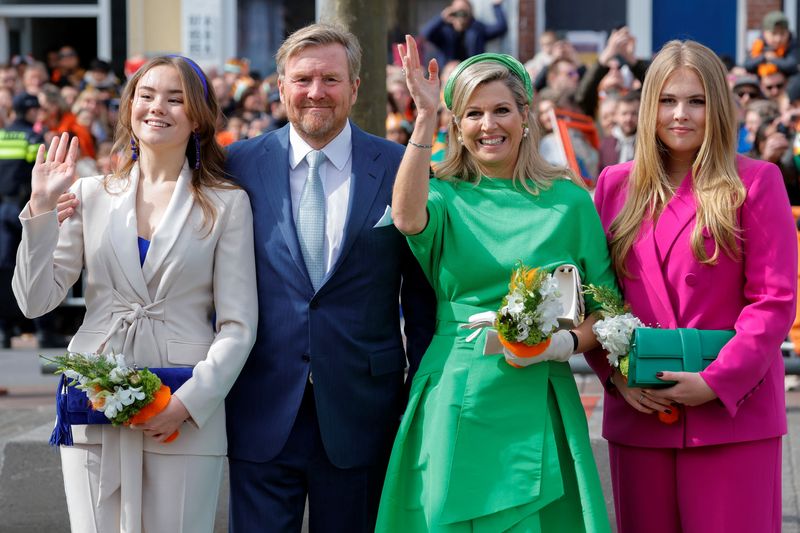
[(525, 131)]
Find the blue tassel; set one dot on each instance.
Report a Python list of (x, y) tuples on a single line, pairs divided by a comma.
[(62, 433)]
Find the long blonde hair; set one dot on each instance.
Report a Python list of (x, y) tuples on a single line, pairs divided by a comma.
[(717, 187), (199, 108), (531, 170)]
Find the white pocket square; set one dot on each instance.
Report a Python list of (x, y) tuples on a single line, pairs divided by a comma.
[(386, 219)]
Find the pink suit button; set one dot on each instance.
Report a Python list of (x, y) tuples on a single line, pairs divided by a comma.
[(691, 279)]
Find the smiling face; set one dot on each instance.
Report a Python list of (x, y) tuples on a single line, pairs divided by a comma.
[(158, 113), (681, 122), (317, 92), (491, 128)]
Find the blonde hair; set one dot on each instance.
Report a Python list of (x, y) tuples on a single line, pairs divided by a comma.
[(531, 170), (320, 34), (717, 187), (200, 109)]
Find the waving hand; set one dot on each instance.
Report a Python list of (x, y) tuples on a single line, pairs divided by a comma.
[(53, 174), (425, 92)]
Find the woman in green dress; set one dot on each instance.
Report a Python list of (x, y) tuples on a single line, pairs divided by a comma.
[(484, 446)]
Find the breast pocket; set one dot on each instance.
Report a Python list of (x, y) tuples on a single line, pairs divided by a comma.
[(86, 341)]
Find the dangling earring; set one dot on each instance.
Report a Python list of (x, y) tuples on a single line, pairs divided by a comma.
[(460, 139), (525, 131), (196, 150), (134, 149)]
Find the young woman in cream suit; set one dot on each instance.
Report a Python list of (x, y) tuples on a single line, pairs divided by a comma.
[(184, 298)]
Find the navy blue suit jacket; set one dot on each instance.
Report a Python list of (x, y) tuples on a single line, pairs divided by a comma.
[(347, 333)]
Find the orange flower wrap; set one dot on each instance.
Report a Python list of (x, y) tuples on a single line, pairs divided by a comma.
[(523, 350), (160, 400)]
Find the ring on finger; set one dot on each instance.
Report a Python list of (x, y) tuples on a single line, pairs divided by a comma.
[(641, 398)]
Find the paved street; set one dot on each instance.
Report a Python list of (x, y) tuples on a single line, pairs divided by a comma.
[(31, 490)]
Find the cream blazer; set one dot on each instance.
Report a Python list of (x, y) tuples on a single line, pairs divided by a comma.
[(192, 303)]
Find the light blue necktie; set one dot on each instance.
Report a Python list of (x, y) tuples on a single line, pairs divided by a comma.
[(311, 220)]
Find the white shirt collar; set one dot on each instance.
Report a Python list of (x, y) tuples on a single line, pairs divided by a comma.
[(337, 151)]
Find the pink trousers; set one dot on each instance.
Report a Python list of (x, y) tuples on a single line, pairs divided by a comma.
[(730, 488)]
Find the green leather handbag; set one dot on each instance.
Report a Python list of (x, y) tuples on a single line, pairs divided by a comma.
[(673, 350)]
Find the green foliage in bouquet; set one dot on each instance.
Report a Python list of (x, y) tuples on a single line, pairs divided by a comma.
[(610, 302)]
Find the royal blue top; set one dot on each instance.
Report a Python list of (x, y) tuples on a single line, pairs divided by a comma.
[(144, 245)]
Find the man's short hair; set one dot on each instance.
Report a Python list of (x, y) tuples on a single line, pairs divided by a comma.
[(630, 96), (321, 34)]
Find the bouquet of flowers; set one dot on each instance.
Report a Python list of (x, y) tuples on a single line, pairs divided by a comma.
[(530, 311), (125, 394), (615, 333), (615, 330)]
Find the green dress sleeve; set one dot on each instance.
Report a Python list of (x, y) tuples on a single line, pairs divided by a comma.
[(427, 244)]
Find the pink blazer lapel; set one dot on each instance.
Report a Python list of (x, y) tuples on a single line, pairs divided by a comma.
[(652, 273), (678, 213)]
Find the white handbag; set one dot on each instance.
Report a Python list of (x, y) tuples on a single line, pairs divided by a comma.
[(569, 285)]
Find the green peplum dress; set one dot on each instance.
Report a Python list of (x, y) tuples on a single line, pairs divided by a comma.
[(485, 447)]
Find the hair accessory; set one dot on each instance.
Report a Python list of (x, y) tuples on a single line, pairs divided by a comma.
[(506, 60), (198, 70), (418, 145), (196, 150), (134, 149)]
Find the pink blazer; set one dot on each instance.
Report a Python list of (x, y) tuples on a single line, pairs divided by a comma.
[(755, 297)]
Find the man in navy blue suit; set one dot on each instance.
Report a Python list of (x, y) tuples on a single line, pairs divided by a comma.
[(315, 409)]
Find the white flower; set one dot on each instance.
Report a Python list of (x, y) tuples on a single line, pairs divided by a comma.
[(523, 331), (615, 334), (112, 406), (549, 288), (119, 375), (127, 396), (515, 303)]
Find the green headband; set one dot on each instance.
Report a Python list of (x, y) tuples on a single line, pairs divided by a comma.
[(506, 60)]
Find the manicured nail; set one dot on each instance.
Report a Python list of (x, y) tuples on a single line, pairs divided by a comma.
[(659, 374)]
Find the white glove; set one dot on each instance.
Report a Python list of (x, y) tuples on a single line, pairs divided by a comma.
[(560, 349)]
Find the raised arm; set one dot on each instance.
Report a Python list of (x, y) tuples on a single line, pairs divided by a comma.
[(410, 193)]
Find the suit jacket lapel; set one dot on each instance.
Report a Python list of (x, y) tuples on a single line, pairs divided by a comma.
[(274, 175), (366, 177), (677, 214), (652, 272), (171, 224), (123, 234)]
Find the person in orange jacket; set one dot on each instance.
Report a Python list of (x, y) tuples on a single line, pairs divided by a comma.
[(774, 48)]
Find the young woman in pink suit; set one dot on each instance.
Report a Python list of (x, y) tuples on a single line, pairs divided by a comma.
[(700, 238)]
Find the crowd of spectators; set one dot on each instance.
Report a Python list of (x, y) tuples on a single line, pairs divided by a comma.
[(588, 112)]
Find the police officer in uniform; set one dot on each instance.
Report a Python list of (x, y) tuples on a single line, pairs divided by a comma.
[(18, 146)]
